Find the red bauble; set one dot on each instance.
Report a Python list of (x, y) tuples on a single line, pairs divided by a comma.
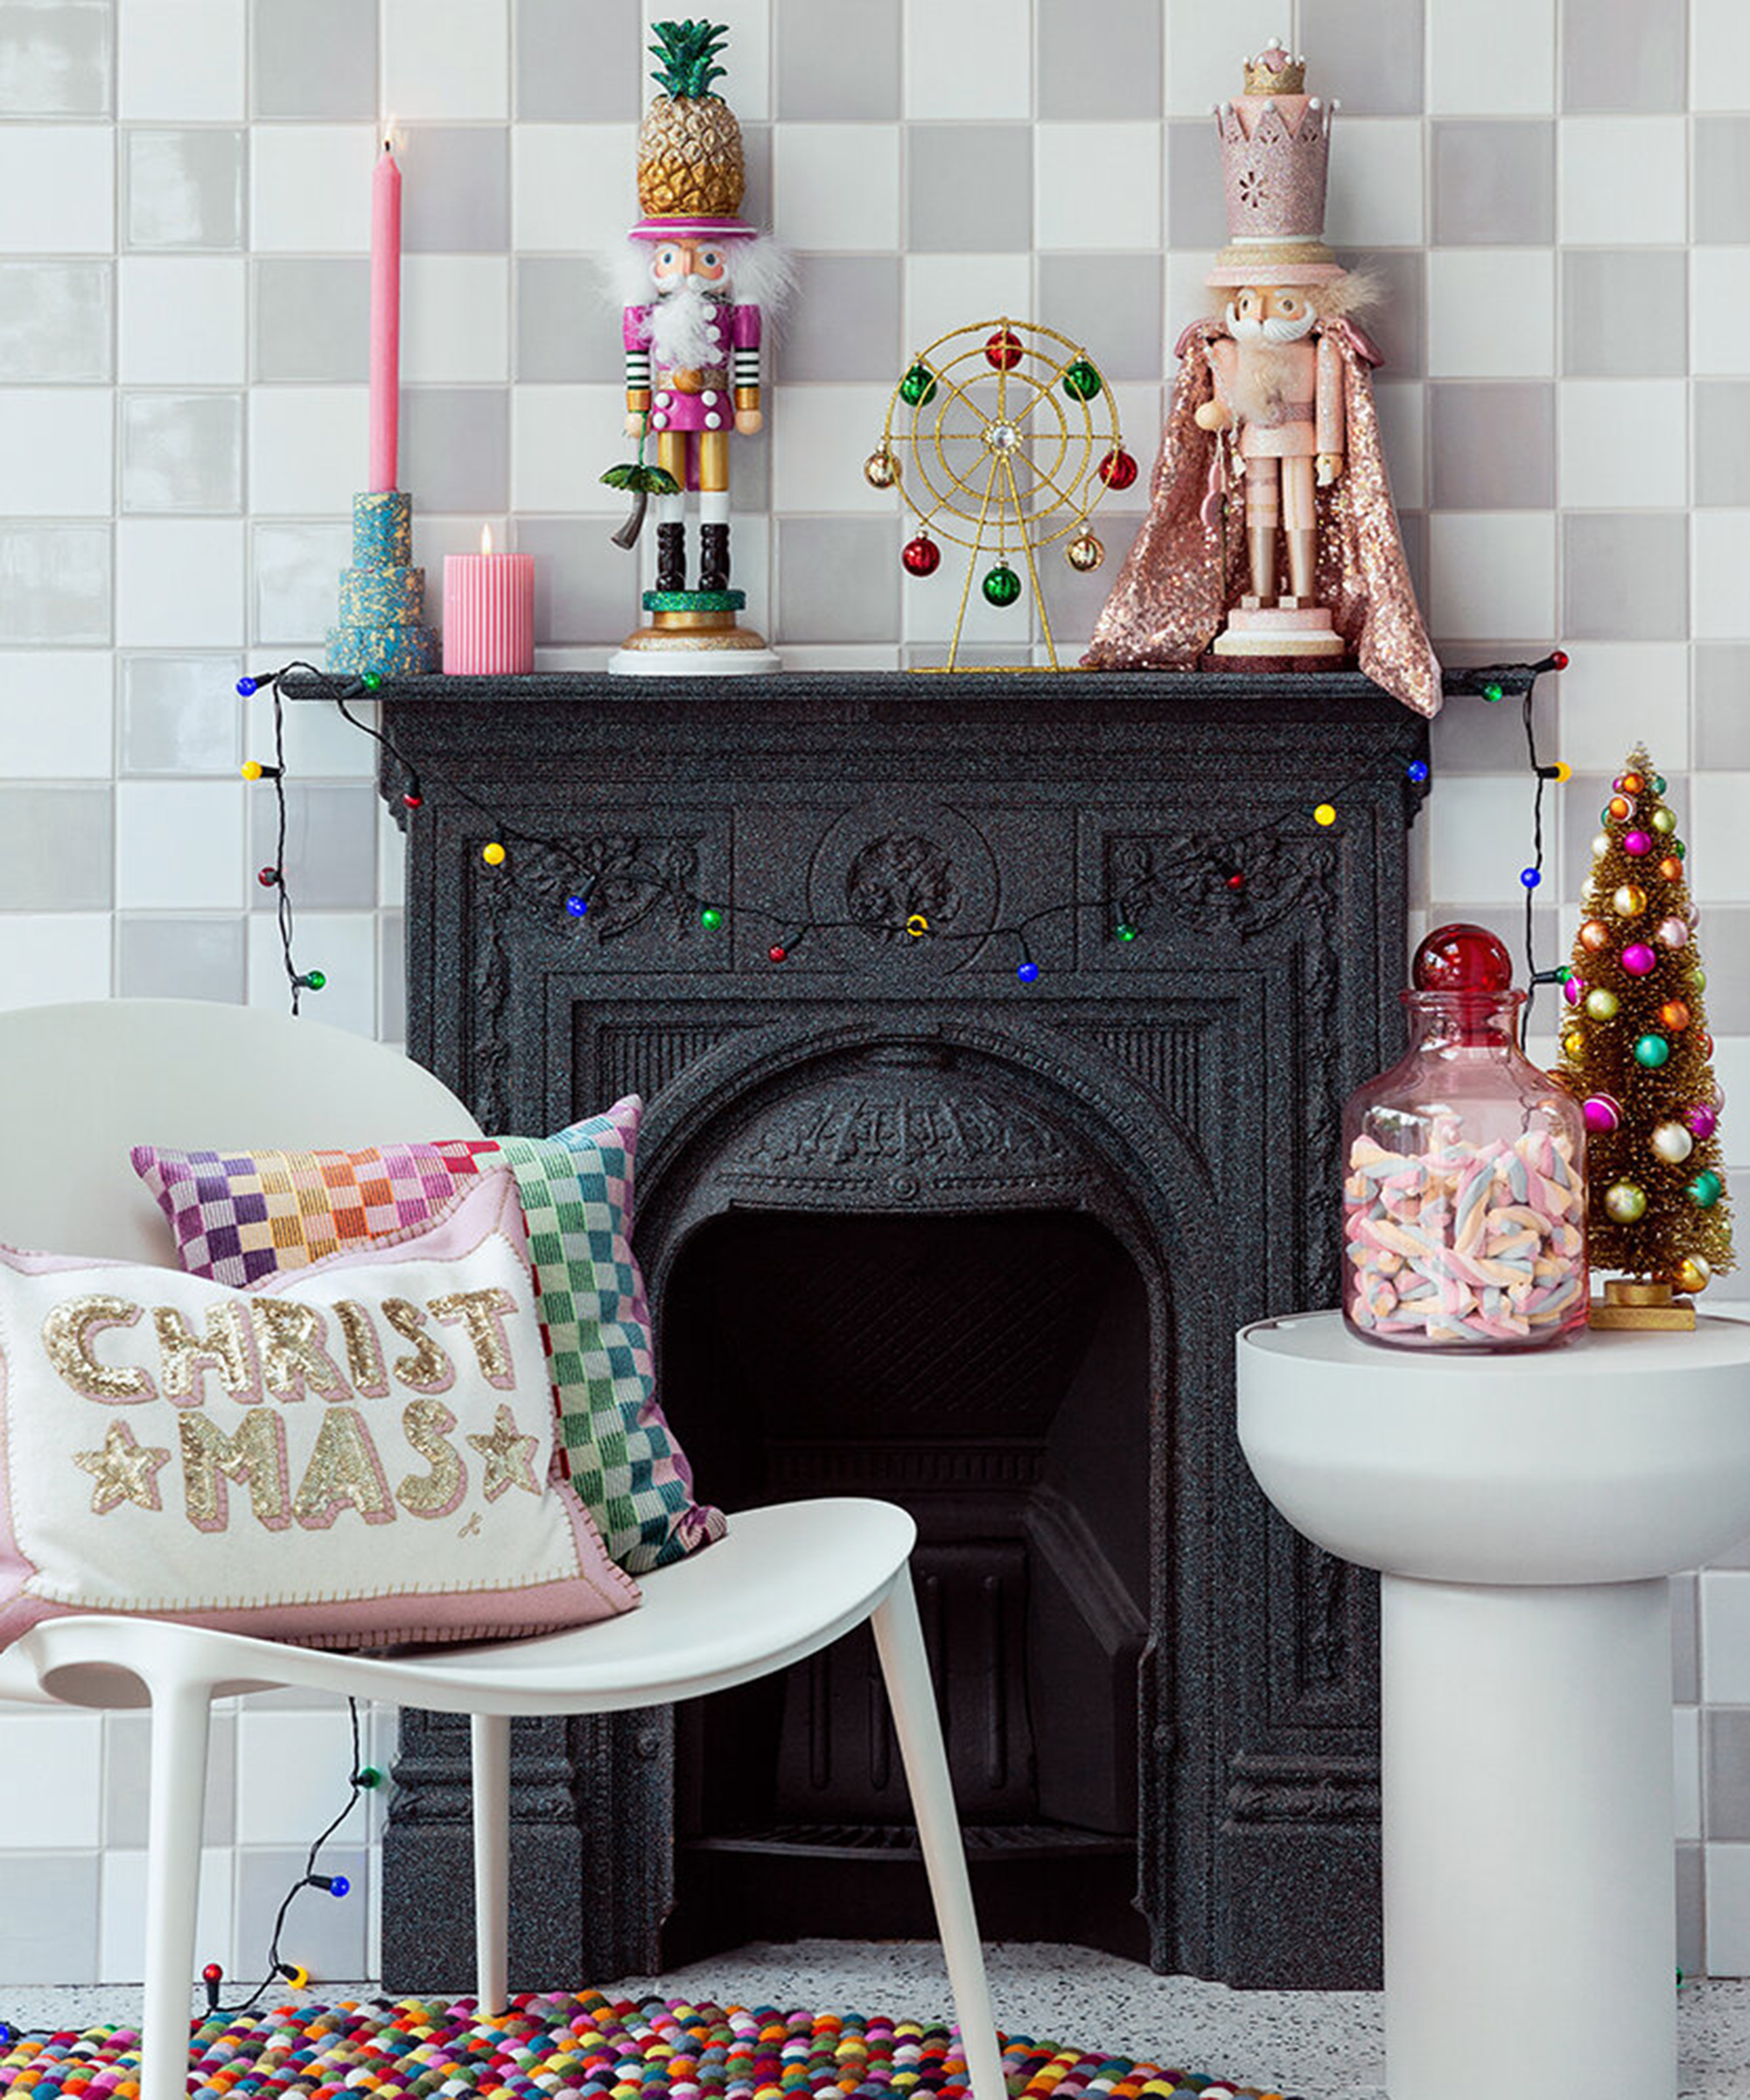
[(921, 556), (1117, 470), (1004, 349), (1462, 958)]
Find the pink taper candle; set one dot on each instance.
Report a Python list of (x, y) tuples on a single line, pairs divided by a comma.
[(385, 318)]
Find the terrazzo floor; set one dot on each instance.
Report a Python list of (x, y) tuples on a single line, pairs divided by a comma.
[(1326, 2046)]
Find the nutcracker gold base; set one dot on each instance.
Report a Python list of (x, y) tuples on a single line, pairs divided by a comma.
[(1648, 1307), (684, 642)]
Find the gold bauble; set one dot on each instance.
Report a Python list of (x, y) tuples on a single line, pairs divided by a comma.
[(1084, 551), (1693, 1273), (1572, 1043), (1594, 936), (1630, 900), (880, 470), (1671, 869)]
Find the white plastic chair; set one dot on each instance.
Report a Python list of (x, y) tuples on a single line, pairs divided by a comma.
[(82, 1083)]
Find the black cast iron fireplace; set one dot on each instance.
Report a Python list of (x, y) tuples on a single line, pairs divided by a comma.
[(916, 1229)]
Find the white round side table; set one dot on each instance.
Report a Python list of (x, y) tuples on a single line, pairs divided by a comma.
[(1524, 1512)]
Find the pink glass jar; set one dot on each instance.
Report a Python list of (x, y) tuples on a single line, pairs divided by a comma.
[(1463, 1194)]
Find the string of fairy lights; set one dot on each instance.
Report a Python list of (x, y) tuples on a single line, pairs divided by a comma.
[(791, 928)]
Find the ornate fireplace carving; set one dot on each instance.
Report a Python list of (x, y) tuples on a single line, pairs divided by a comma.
[(1174, 1096)]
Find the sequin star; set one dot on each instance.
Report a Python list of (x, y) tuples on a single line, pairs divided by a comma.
[(507, 1454), (124, 1471)]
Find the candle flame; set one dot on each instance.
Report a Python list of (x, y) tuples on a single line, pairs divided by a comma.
[(486, 539), (386, 130)]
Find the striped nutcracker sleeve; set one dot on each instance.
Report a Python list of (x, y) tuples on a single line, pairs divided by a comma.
[(744, 356), (636, 336)]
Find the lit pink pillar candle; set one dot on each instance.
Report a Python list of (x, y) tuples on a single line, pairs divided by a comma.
[(488, 612), (385, 318)]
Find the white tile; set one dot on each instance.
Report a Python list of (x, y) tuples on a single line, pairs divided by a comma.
[(1376, 191), (180, 61), (1491, 313), (1205, 46), (310, 187), (180, 844), (842, 656), (1686, 1768), (1721, 563), (1719, 296), (455, 319), (1725, 1875), (182, 320), (122, 1948), (1622, 443), (1726, 1636), (809, 468), (46, 957), (308, 448), (1492, 575), (56, 711), (1141, 415), (292, 1770), (343, 946), (1715, 25), (179, 583), (945, 292), (969, 59), (561, 438), (1402, 405), (1718, 866), (57, 452), (1491, 57), (571, 187), (838, 186), (1620, 180), (1477, 849), (1098, 186), (57, 189), (446, 58), (54, 1761), (1609, 692), (747, 54)]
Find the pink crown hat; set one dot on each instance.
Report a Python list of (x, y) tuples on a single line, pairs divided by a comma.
[(693, 226), (1275, 144)]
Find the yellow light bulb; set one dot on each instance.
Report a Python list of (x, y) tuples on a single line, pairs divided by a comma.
[(492, 854), (252, 769), (1324, 815), (1565, 772)]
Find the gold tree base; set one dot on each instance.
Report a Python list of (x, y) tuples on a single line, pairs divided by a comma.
[(1642, 1307)]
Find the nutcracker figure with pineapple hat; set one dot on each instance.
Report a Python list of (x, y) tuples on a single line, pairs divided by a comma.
[(1271, 541), (699, 284)]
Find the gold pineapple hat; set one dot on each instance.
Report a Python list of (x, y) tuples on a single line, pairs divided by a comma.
[(692, 175)]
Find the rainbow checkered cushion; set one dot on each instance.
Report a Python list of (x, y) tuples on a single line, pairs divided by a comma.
[(239, 1216)]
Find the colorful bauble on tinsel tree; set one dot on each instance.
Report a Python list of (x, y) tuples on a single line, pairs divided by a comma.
[(1635, 1054)]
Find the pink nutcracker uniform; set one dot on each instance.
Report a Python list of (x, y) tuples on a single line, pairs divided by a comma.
[(695, 399), (1310, 420)]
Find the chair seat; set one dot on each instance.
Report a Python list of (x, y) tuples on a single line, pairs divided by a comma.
[(786, 1580)]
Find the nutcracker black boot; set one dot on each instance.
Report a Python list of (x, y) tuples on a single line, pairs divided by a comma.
[(713, 558), (671, 557)]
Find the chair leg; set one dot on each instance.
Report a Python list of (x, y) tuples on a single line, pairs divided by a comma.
[(900, 1642), (491, 1859), (179, 1793)]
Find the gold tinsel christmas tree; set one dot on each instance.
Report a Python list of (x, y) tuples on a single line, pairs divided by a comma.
[(1635, 1054)]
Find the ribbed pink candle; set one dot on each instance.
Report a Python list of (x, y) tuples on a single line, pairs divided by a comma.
[(488, 612), (385, 319)]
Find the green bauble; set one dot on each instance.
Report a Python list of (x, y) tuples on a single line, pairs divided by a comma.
[(1664, 821), (1082, 382), (918, 386), (1706, 1189), (1651, 1050), (1002, 585)]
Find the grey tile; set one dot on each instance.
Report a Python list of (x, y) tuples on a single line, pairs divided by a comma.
[(837, 59), (182, 453), (577, 65), (1196, 213), (297, 580), (1625, 312), (456, 192), (563, 329), (127, 1737), (1725, 1772), (1368, 56), (1493, 444), (838, 580), (1072, 599), (1722, 425), (55, 850), (313, 58), (1470, 735), (185, 189), (455, 446), (1726, 934), (1494, 182), (1117, 298), (1412, 530), (1399, 322), (54, 1935), (756, 155), (54, 58), (331, 843), (1738, 1555), (970, 187), (1685, 1640), (180, 715), (1077, 74), (843, 323), (56, 321), (1722, 706), (54, 583), (392, 977), (1624, 54), (1722, 177), (581, 597), (330, 1935), (1691, 1912), (1582, 799), (1625, 575), (313, 318)]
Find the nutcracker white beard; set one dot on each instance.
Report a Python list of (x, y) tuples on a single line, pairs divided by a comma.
[(1277, 329), (680, 321)]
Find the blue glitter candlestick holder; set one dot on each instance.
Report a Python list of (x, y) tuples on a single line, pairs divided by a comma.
[(383, 596)]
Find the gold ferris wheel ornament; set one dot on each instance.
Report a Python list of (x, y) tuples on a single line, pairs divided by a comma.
[(1002, 436)]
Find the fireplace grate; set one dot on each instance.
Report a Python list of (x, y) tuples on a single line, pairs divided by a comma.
[(899, 1841)]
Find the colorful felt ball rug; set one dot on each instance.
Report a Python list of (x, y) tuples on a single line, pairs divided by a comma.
[(580, 2044)]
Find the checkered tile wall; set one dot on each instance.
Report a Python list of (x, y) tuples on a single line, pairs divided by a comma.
[(1556, 192)]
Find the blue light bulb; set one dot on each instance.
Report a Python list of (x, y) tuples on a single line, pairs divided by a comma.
[(1027, 972)]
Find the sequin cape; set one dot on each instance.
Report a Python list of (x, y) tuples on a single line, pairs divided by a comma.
[(1175, 588)]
